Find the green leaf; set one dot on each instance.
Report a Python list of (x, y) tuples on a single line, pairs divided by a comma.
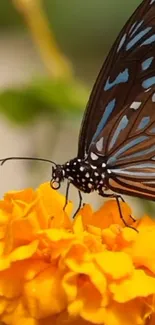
[(64, 95), (19, 106), (57, 98)]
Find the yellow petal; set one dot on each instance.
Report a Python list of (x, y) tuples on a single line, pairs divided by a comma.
[(83, 302), (118, 314), (94, 231), (138, 284), (44, 295), (24, 252), (143, 248), (4, 263), (78, 225), (53, 200), (19, 316), (115, 264), (70, 285)]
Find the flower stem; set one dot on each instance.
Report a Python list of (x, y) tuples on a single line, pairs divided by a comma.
[(36, 19)]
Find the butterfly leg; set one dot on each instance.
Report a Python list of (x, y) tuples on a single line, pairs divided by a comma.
[(117, 198), (121, 198), (80, 204), (66, 200), (67, 195)]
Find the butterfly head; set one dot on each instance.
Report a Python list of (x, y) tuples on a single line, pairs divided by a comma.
[(58, 175)]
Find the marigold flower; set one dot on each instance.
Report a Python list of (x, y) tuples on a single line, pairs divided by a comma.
[(92, 270)]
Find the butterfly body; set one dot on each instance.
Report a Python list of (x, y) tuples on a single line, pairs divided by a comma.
[(83, 174)]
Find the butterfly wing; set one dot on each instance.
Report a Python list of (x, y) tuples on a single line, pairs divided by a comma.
[(131, 148), (128, 69)]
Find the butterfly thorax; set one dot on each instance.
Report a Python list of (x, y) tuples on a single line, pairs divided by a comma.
[(81, 174)]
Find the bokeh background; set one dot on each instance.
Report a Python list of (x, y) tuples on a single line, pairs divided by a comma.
[(50, 54)]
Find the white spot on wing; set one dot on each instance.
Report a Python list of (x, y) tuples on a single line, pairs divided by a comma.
[(153, 97), (148, 89), (87, 175), (103, 165), (81, 168), (99, 144), (135, 105), (90, 185), (132, 27), (93, 156), (121, 42)]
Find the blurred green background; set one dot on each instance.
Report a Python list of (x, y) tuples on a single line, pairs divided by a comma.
[(50, 54), (84, 30)]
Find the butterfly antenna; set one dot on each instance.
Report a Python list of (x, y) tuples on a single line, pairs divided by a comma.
[(2, 161)]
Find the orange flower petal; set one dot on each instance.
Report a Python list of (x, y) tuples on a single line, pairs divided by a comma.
[(138, 284), (53, 201), (109, 214), (143, 249), (44, 295), (83, 301), (24, 252), (11, 281), (86, 213), (24, 196), (78, 225), (151, 320), (19, 316), (92, 270), (127, 313), (88, 270), (110, 263)]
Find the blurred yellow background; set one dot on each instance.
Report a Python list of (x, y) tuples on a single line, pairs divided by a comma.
[(50, 54)]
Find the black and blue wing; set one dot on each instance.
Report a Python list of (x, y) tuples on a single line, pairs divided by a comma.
[(128, 70), (131, 148)]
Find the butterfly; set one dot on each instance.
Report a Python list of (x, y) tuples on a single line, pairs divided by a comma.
[(116, 148)]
